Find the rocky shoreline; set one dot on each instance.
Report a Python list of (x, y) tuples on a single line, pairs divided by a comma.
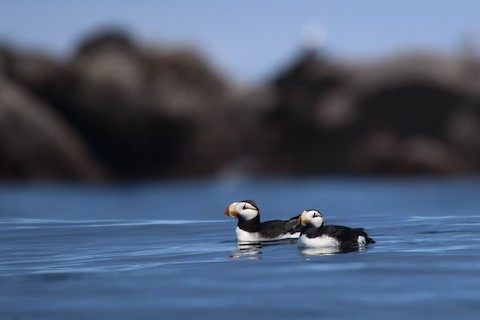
[(117, 110)]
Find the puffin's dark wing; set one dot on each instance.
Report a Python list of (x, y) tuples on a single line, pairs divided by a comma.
[(274, 228), (346, 234), (292, 225)]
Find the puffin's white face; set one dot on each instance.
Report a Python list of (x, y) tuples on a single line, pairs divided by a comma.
[(312, 217), (246, 209)]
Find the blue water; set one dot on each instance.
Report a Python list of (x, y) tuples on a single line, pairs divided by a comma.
[(166, 251)]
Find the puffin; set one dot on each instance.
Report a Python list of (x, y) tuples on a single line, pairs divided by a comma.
[(250, 229), (317, 235)]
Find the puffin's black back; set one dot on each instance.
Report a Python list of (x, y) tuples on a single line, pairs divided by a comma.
[(269, 229), (345, 235)]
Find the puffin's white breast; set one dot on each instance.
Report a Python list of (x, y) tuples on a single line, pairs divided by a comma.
[(244, 236), (318, 242)]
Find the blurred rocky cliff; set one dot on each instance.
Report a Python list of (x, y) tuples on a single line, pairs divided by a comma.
[(120, 110)]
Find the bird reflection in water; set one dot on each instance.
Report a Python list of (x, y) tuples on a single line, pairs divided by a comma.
[(247, 250), (326, 251), (253, 250)]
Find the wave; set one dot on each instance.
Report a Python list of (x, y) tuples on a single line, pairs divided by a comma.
[(449, 217), (28, 222)]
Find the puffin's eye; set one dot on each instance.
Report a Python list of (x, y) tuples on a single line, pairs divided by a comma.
[(248, 206)]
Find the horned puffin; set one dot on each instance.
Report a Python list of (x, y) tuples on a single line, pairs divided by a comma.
[(250, 229), (317, 235)]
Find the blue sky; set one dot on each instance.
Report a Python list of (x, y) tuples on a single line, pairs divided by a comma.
[(249, 39)]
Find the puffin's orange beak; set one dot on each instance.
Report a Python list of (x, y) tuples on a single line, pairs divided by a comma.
[(231, 211), (303, 219)]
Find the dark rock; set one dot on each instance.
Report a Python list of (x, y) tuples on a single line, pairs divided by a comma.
[(144, 112), (35, 144), (108, 39), (389, 154), (409, 108), (394, 117)]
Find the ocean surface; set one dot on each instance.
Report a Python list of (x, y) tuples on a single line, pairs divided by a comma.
[(167, 251)]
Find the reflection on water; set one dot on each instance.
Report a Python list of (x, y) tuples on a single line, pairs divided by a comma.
[(325, 251), (248, 250), (253, 250)]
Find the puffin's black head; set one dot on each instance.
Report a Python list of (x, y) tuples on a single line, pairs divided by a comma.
[(246, 209)]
